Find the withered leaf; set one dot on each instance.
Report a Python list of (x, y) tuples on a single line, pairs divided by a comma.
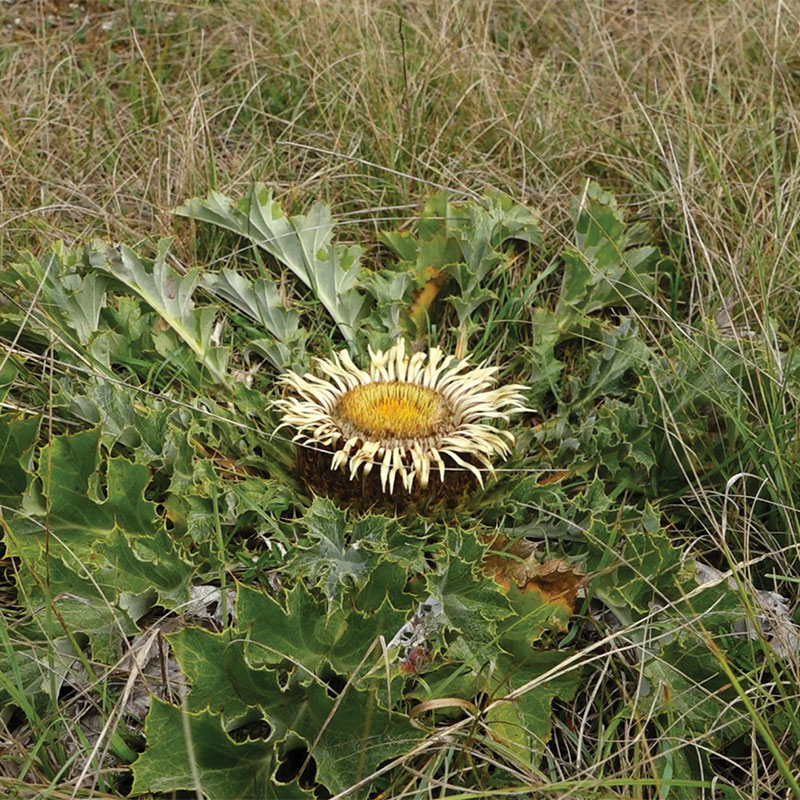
[(555, 579)]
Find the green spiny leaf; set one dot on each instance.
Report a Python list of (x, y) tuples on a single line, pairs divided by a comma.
[(262, 303), (302, 634), (695, 690), (523, 725), (350, 740), (301, 243), (182, 746), (83, 605), (31, 671), (222, 680), (470, 605), (330, 557), (76, 513), (17, 437), (139, 564), (170, 295)]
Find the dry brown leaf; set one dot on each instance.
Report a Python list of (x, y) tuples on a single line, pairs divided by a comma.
[(424, 297), (556, 580), (554, 477)]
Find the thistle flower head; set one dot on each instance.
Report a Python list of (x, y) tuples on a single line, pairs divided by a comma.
[(407, 416)]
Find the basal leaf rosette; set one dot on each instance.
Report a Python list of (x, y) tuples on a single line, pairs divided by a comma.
[(407, 418)]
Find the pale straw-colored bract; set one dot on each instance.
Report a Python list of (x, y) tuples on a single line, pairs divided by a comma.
[(405, 414)]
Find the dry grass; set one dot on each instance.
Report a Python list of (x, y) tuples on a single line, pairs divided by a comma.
[(112, 113)]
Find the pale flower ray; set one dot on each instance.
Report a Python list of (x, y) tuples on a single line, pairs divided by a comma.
[(402, 413)]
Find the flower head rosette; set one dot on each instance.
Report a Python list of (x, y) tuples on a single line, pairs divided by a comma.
[(408, 416)]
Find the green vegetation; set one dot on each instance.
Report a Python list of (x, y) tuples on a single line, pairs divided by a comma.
[(599, 198)]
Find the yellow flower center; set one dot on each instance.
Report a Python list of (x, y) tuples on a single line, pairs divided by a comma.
[(394, 410)]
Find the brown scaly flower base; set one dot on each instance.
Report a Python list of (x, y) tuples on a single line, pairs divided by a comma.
[(365, 493)]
